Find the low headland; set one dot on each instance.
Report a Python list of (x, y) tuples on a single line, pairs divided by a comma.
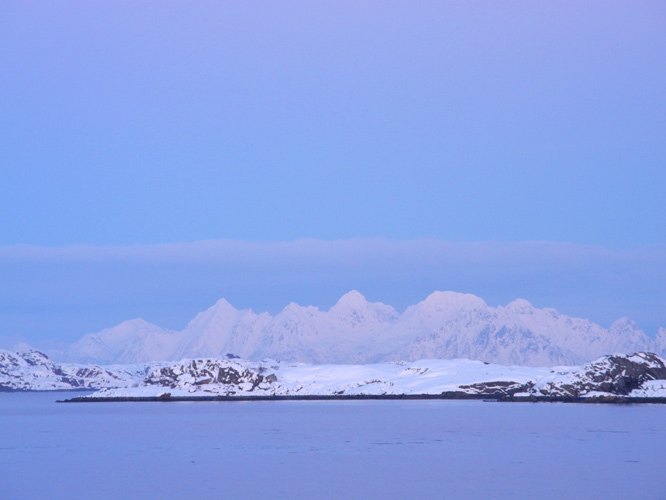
[(617, 379)]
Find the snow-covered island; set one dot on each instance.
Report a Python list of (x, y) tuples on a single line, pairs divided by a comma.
[(635, 377)]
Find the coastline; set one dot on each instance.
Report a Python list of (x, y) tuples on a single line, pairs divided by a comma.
[(499, 398)]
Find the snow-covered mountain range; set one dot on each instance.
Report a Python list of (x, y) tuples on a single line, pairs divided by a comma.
[(446, 325)]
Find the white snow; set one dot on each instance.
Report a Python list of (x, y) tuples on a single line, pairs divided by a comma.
[(446, 325), (238, 377), (650, 389), (33, 371), (421, 377)]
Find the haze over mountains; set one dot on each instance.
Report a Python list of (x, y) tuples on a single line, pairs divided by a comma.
[(446, 325)]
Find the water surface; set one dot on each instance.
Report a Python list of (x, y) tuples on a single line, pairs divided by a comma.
[(329, 449)]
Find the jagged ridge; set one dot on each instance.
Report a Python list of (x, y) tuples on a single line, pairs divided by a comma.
[(446, 325)]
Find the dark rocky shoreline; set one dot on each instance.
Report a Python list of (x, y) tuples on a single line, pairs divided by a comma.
[(500, 398)]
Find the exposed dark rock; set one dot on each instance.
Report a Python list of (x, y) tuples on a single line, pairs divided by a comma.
[(33, 370), (498, 388), (618, 375), (202, 372)]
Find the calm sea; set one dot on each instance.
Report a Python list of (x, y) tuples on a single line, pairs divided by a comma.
[(325, 450)]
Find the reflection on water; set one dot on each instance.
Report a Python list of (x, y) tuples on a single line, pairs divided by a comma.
[(325, 449)]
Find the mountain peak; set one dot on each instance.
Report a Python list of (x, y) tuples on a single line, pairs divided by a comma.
[(222, 312), (222, 304), (135, 323), (126, 329), (354, 310), (519, 305), (294, 310), (221, 308), (453, 300), (353, 299), (624, 324), (294, 307)]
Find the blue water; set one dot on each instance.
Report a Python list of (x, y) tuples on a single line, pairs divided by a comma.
[(324, 449)]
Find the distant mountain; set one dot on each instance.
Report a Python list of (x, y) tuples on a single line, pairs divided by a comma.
[(446, 325), (130, 342)]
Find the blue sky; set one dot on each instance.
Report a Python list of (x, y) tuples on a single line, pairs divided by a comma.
[(126, 124)]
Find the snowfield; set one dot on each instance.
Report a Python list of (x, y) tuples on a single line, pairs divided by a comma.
[(641, 375), (34, 371), (637, 375), (271, 378)]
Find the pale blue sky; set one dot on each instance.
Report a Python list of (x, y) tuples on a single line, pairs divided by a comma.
[(125, 123)]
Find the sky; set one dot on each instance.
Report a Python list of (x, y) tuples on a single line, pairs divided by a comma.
[(157, 156)]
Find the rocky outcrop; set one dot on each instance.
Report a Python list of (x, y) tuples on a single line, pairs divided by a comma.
[(618, 375), (497, 388), (222, 376)]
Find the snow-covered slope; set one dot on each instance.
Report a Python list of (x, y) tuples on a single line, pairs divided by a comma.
[(446, 325), (618, 375), (660, 341), (238, 377), (131, 342), (33, 371), (636, 375)]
